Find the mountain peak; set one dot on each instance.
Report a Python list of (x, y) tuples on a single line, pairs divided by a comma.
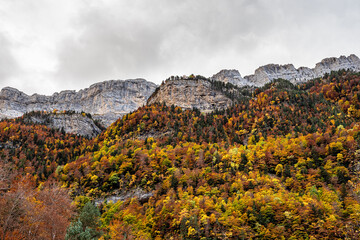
[(190, 93), (269, 72), (230, 76)]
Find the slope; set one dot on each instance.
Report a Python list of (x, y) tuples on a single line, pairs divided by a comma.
[(283, 163)]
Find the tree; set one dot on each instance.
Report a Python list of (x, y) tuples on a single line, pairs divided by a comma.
[(30, 213), (76, 232), (87, 224)]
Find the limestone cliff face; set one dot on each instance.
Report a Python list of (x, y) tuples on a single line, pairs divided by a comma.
[(106, 101), (270, 72), (190, 93), (76, 123), (327, 65), (230, 76)]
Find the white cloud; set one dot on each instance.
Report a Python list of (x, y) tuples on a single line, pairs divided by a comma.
[(71, 44), (8, 65)]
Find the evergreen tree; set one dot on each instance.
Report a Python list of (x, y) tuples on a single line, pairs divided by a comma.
[(85, 228)]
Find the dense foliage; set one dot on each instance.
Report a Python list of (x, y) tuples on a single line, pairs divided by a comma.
[(36, 149), (283, 163), (32, 205)]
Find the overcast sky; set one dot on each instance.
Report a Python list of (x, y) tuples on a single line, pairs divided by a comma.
[(52, 45)]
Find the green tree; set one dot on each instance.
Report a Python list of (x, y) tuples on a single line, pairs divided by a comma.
[(76, 232), (85, 228)]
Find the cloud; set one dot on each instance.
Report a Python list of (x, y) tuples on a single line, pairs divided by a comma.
[(8, 64), (55, 45), (158, 38)]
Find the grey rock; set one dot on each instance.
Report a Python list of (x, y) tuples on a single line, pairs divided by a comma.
[(230, 76), (139, 193), (71, 123), (106, 101), (189, 94), (267, 73), (327, 65)]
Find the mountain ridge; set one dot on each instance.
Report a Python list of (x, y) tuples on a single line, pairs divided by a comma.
[(269, 72), (106, 101), (109, 100)]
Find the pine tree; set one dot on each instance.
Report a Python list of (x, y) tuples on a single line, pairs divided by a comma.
[(85, 228)]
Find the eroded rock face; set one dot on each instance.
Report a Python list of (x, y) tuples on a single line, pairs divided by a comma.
[(106, 101), (138, 193), (327, 65), (76, 123), (230, 76), (190, 93), (270, 72)]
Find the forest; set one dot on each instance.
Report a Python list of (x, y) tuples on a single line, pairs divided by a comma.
[(281, 163)]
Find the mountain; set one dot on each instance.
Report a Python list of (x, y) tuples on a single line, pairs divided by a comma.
[(231, 76), (269, 72), (71, 122), (189, 93), (106, 101), (281, 164)]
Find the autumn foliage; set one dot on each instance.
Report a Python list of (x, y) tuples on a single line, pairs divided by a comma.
[(281, 164)]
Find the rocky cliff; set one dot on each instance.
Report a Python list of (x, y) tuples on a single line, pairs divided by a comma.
[(190, 93), (231, 76), (106, 101), (77, 123), (109, 100), (270, 72)]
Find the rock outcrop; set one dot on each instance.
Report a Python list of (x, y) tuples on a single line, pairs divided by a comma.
[(190, 93), (105, 101), (270, 72), (327, 65), (77, 123), (231, 76), (140, 194)]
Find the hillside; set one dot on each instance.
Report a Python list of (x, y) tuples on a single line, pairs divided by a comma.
[(37, 149), (32, 204), (203, 159), (282, 163), (282, 160)]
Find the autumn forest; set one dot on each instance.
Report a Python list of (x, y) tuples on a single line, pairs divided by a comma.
[(281, 163)]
